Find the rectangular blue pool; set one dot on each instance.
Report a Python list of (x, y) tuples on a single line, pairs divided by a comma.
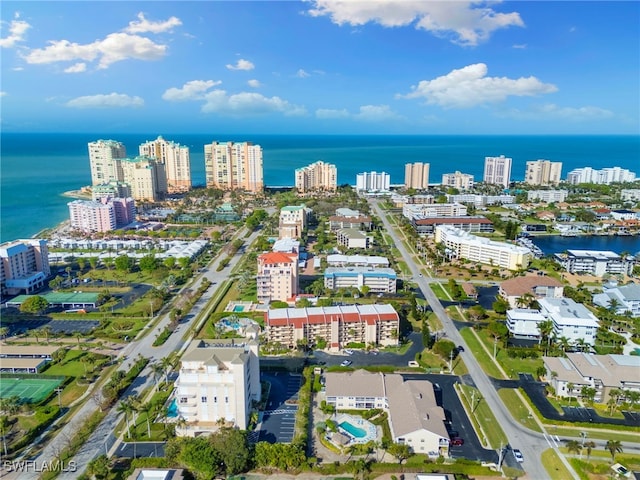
[(238, 308), (172, 409), (353, 430)]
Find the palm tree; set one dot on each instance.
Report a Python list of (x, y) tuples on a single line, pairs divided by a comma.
[(614, 446), (574, 446), (590, 445), (126, 408), (545, 328), (146, 409), (570, 387), (5, 427), (157, 370), (166, 365)]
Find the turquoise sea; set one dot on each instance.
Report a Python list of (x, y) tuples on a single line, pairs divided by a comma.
[(36, 168)]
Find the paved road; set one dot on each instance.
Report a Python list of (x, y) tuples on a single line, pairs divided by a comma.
[(530, 443), (102, 440)]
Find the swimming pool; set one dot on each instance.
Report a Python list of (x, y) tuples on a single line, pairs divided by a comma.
[(353, 430), (172, 409), (238, 308)]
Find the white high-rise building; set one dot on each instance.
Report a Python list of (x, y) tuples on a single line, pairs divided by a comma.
[(461, 181), (234, 166), (416, 175), (24, 266), (373, 182), (176, 162), (497, 170), (104, 156), (604, 176), (543, 172), (146, 177), (317, 176)]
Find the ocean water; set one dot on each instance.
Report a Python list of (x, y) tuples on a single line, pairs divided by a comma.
[(35, 169), (551, 244)]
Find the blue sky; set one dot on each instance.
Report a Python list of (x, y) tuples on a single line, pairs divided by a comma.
[(320, 66)]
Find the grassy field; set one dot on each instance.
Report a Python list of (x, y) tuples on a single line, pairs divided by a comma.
[(518, 409), (512, 366), (439, 291), (485, 361), (554, 466), (482, 418)]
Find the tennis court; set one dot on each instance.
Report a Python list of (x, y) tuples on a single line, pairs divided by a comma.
[(31, 390)]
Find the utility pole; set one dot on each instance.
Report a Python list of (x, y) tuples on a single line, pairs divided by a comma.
[(495, 345), (583, 435), (58, 390), (451, 362)]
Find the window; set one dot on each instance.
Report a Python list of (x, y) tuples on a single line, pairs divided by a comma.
[(203, 399), (215, 399), (226, 399)]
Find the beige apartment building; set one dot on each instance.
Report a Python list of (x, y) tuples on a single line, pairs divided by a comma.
[(218, 380), (104, 156), (146, 176), (292, 221), (234, 166), (24, 266), (176, 162), (277, 277), (497, 170), (543, 172), (416, 176), (461, 181), (375, 324), (319, 176)]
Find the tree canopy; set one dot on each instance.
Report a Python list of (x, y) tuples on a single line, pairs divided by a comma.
[(35, 304)]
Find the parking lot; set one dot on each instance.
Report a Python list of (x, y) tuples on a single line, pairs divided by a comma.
[(279, 418), (56, 326)]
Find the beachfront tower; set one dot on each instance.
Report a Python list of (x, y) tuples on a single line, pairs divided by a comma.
[(104, 156), (416, 176), (176, 162), (234, 166), (319, 176), (497, 170), (543, 172)]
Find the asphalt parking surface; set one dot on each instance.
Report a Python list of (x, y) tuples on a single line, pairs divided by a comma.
[(56, 326), (279, 418)]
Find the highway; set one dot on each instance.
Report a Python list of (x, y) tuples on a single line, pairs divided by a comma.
[(102, 440)]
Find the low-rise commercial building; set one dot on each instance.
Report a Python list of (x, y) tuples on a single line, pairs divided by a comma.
[(476, 224), (218, 380), (595, 262), (461, 244), (370, 324), (415, 419), (353, 238), (604, 373), (378, 280)]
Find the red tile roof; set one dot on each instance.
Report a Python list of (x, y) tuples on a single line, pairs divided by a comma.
[(277, 257)]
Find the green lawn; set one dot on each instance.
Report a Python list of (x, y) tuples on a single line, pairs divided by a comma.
[(554, 466), (482, 418), (517, 408), (72, 365), (512, 366), (439, 291), (485, 361)]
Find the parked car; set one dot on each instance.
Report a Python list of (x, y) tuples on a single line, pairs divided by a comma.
[(348, 351), (345, 363), (460, 348), (457, 441), (518, 455)]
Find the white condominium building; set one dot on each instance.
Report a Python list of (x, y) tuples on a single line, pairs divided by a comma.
[(497, 170), (632, 194), (547, 196), (461, 181), (234, 166), (543, 172), (416, 211), (595, 262), (480, 201), (461, 244), (416, 175), (373, 182), (219, 380), (24, 266), (103, 160), (571, 320), (176, 162), (317, 176), (377, 280), (371, 324), (604, 176), (146, 177), (277, 277)]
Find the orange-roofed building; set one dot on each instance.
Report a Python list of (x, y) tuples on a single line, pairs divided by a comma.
[(277, 277)]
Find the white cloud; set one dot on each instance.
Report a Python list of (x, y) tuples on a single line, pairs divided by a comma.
[(111, 100), (572, 113), (241, 64), (193, 90), (3, 94), (17, 30), (470, 86), (464, 22), (77, 68), (521, 46), (248, 103), (17, 69), (302, 74), (253, 83), (113, 48), (143, 25), (328, 113)]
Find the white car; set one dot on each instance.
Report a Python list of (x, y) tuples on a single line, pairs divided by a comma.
[(518, 455), (348, 351), (345, 363)]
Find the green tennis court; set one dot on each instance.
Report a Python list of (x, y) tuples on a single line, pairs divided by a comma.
[(32, 390)]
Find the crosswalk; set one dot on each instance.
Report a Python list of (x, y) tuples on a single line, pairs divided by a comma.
[(279, 411)]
